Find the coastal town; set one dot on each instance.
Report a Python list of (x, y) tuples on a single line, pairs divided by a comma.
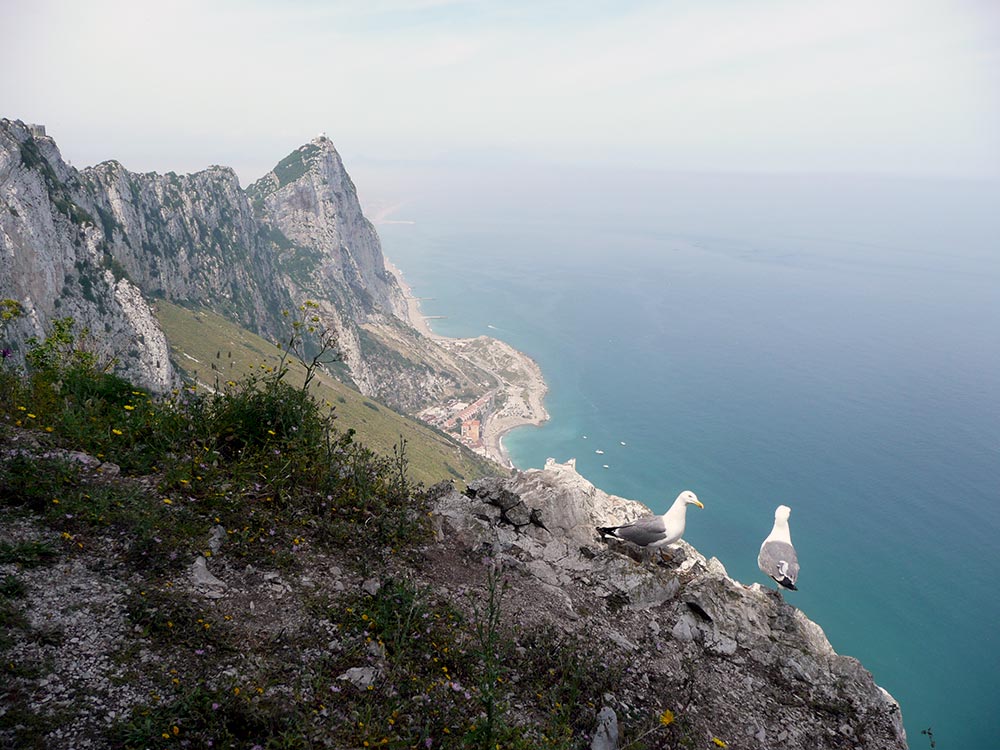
[(515, 401), (462, 419)]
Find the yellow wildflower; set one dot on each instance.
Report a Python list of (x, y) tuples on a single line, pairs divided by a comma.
[(719, 742), (116, 431), (129, 407), (667, 718)]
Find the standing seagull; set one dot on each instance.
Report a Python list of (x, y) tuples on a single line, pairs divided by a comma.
[(777, 556), (656, 531)]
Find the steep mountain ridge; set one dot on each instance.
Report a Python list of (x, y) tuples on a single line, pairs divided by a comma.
[(56, 262), (97, 244), (327, 247), (330, 253)]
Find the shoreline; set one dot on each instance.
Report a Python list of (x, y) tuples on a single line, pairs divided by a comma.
[(522, 388), (413, 313)]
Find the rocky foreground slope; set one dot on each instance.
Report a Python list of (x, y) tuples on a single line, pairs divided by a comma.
[(514, 616), (736, 662)]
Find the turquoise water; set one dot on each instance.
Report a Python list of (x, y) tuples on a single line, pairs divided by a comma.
[(830, 344)]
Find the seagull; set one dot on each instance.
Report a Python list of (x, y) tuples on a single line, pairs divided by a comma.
[(655, 531), (777, 556)]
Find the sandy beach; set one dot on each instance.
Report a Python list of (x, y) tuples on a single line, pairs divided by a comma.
[(519, 400), (414, 315)]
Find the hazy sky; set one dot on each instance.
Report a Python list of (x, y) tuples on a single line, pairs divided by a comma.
[(897, 86)]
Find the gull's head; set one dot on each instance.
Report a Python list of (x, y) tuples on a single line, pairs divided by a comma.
[(782, 512), (689, 498)]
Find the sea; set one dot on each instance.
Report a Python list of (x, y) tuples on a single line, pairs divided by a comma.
[(828, 342)]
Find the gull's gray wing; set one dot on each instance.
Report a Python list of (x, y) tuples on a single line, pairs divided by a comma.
[(643, 531), (778, 560)]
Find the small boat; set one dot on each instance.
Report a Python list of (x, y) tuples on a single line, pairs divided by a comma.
[(622, 442), (599, 451), (605, 466)]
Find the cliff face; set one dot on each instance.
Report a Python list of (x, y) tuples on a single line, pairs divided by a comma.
[(100, 243), (329, 252), (327, 248), (57, 262), (190, 238)]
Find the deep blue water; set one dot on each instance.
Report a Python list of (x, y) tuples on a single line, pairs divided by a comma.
[(832, 344)]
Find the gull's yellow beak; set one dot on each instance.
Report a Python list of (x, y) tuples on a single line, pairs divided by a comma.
[(698, 503)]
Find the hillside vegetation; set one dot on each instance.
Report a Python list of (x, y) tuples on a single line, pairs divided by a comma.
[(115, 502), (212, 351)]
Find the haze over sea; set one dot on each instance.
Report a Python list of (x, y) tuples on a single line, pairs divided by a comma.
[(831, 343)]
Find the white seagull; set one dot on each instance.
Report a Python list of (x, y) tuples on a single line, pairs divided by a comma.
[(777, 556), (656, 531)]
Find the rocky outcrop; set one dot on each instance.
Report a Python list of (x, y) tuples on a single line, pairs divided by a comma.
[(330, 253), (327, 248), (737, 662), (57, 262), (189, 238)]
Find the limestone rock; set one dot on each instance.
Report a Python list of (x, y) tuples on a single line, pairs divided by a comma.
[(360, 677), (203, 579), (606, 736), (761, 670), (98, 244)]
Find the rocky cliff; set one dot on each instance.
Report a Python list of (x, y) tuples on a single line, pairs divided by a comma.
[(737, 662), (100, 244), (330, 253), (327, 248), (57, 260)]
